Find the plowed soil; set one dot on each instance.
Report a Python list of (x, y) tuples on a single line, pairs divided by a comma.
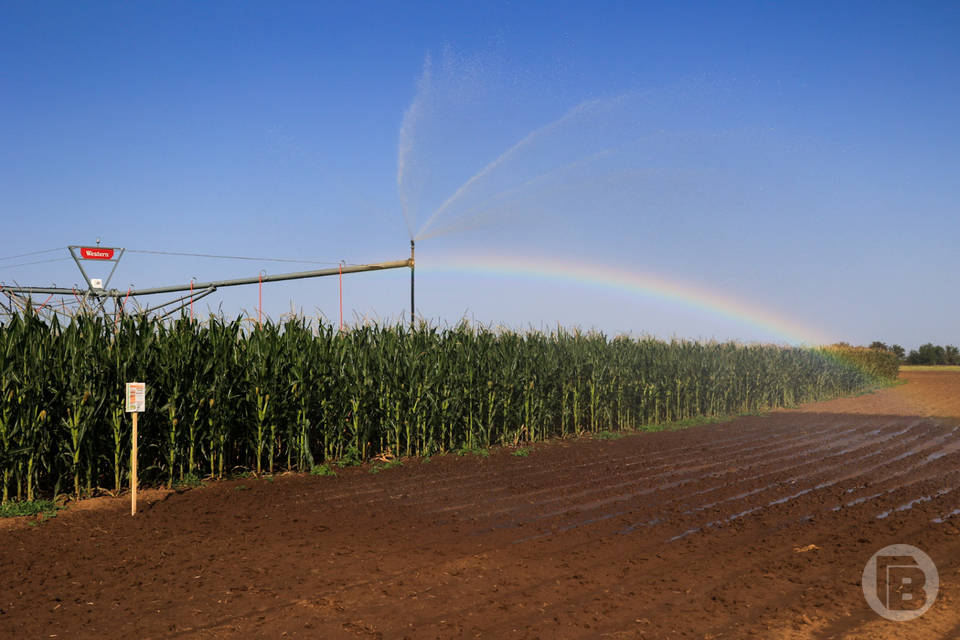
[(755, 528)]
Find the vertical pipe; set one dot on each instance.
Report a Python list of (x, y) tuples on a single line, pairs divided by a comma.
[(341, 295), (260, 302), (412, 263)]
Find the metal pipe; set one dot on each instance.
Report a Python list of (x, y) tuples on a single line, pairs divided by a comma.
[(184, 305), (412, 263), (29, 290), (379, 266), (191, 296)]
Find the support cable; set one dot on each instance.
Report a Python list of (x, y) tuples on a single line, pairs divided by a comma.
[(25, 264), (225, 257), (31, 253)]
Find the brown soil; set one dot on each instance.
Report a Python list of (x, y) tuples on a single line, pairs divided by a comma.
[(702, 533)]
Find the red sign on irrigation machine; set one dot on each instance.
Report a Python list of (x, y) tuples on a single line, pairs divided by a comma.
[(96, 253)]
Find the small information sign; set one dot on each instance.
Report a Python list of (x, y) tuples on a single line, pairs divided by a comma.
[(136, 397)]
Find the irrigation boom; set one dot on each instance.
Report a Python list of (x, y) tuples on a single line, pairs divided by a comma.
[(217, 284), (197, 289)]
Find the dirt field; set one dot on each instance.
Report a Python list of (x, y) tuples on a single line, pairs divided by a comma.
[(703, 533)]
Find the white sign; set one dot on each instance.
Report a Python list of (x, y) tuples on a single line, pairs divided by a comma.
[(136, 397)]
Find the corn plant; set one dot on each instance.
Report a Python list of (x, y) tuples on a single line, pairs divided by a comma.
[(297, 395)]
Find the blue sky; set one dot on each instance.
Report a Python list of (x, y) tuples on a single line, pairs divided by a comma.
[(798, 158)]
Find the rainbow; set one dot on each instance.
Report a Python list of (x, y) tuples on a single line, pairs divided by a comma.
[(642, 283)]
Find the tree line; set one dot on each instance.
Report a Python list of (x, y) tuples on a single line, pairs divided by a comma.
[(928, 354)]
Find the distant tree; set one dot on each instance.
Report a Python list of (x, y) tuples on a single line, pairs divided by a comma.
[(951, 354), (928, 354), (895, 349), (936, 353)]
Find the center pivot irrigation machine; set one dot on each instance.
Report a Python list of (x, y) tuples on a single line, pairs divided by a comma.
[(98, 292)]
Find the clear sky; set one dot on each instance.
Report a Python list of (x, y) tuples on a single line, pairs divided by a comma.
[(757, 171)]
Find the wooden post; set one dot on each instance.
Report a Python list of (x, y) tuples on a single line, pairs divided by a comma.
[(133, 469), (136, 393)]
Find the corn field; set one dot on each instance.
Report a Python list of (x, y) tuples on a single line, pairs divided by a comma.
[(222, 396)]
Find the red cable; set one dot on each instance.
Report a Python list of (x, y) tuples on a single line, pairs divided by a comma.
[(40, 308)]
